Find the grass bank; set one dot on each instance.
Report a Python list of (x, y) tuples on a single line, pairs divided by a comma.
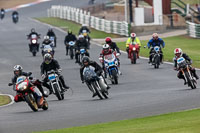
[(190, 46), (65, 24), (179, 122), (4, 100)]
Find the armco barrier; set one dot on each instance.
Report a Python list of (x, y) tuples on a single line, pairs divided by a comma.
[(84, 17), (193, 29)]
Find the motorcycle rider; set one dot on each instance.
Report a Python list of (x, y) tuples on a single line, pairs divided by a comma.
[(15, 13), (51, 64), (18, 71), (81, 43), (47, 42), (115, 48), (133, 39), (69, 37), (33, 32), (179, 53), (2, 14), (155, 41), (107, 51), (97, 68), (84, 27), (51, 33)]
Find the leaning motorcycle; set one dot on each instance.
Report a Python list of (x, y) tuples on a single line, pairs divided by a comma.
[(156, 57), (185, 69), (55, 84), (34, 45), (133, 52), (29, 93), (111, 65), (95, 84)]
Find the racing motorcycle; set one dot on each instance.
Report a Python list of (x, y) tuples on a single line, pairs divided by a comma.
[(156, 57), (133, 52), (81, 54), (48, 49), (30, 94), (53, 40), (2, 14), (185, 69), (86, 36), (15, 18), (55, 84), (71, 49), (111, 67), (34, 45), (95, 84)]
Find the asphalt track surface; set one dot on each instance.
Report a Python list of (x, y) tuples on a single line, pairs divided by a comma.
[(142, 90)]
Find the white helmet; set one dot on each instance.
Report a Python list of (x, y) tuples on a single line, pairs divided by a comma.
[(133, 35), (106, 46), (80, 36), (84, 24), (17, 68), (46, 37), (155, 35), (178, 51)]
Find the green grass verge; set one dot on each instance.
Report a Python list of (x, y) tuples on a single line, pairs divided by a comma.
[(178, 122), (65, 24), (188, 45), (4, 100)]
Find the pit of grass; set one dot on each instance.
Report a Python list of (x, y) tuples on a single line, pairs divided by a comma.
[(4, 100), (66, 24), (178, 122), (189, 46)]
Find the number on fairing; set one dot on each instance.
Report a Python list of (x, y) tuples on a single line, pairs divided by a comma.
[(52, 77), (180, 60)]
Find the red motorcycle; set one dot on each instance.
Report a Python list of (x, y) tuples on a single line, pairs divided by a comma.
[(133, 52), (28, 92), (34, 45)]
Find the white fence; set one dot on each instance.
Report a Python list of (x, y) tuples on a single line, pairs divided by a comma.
[(193, 29), (83, 17)]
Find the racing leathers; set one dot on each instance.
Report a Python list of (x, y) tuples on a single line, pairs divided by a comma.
[(53, 65), (189, 61), (68, 38), (81, 44), (37, 83), (152, 43)]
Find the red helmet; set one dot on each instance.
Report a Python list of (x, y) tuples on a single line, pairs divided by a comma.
[(108, 40)]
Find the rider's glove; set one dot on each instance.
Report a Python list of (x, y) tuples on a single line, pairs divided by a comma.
[(118, 54), (59, 70)]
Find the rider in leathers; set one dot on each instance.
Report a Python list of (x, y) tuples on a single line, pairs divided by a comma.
[(51, 33), (68, 38), (155, 41), (178, 53), (33, 32), (81, 43), (98, 70), (51, 64), (18, 71)]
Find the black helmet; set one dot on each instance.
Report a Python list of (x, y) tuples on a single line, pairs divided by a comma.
[(32, 30), (50, 30), (85, 59), (47, 58)]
